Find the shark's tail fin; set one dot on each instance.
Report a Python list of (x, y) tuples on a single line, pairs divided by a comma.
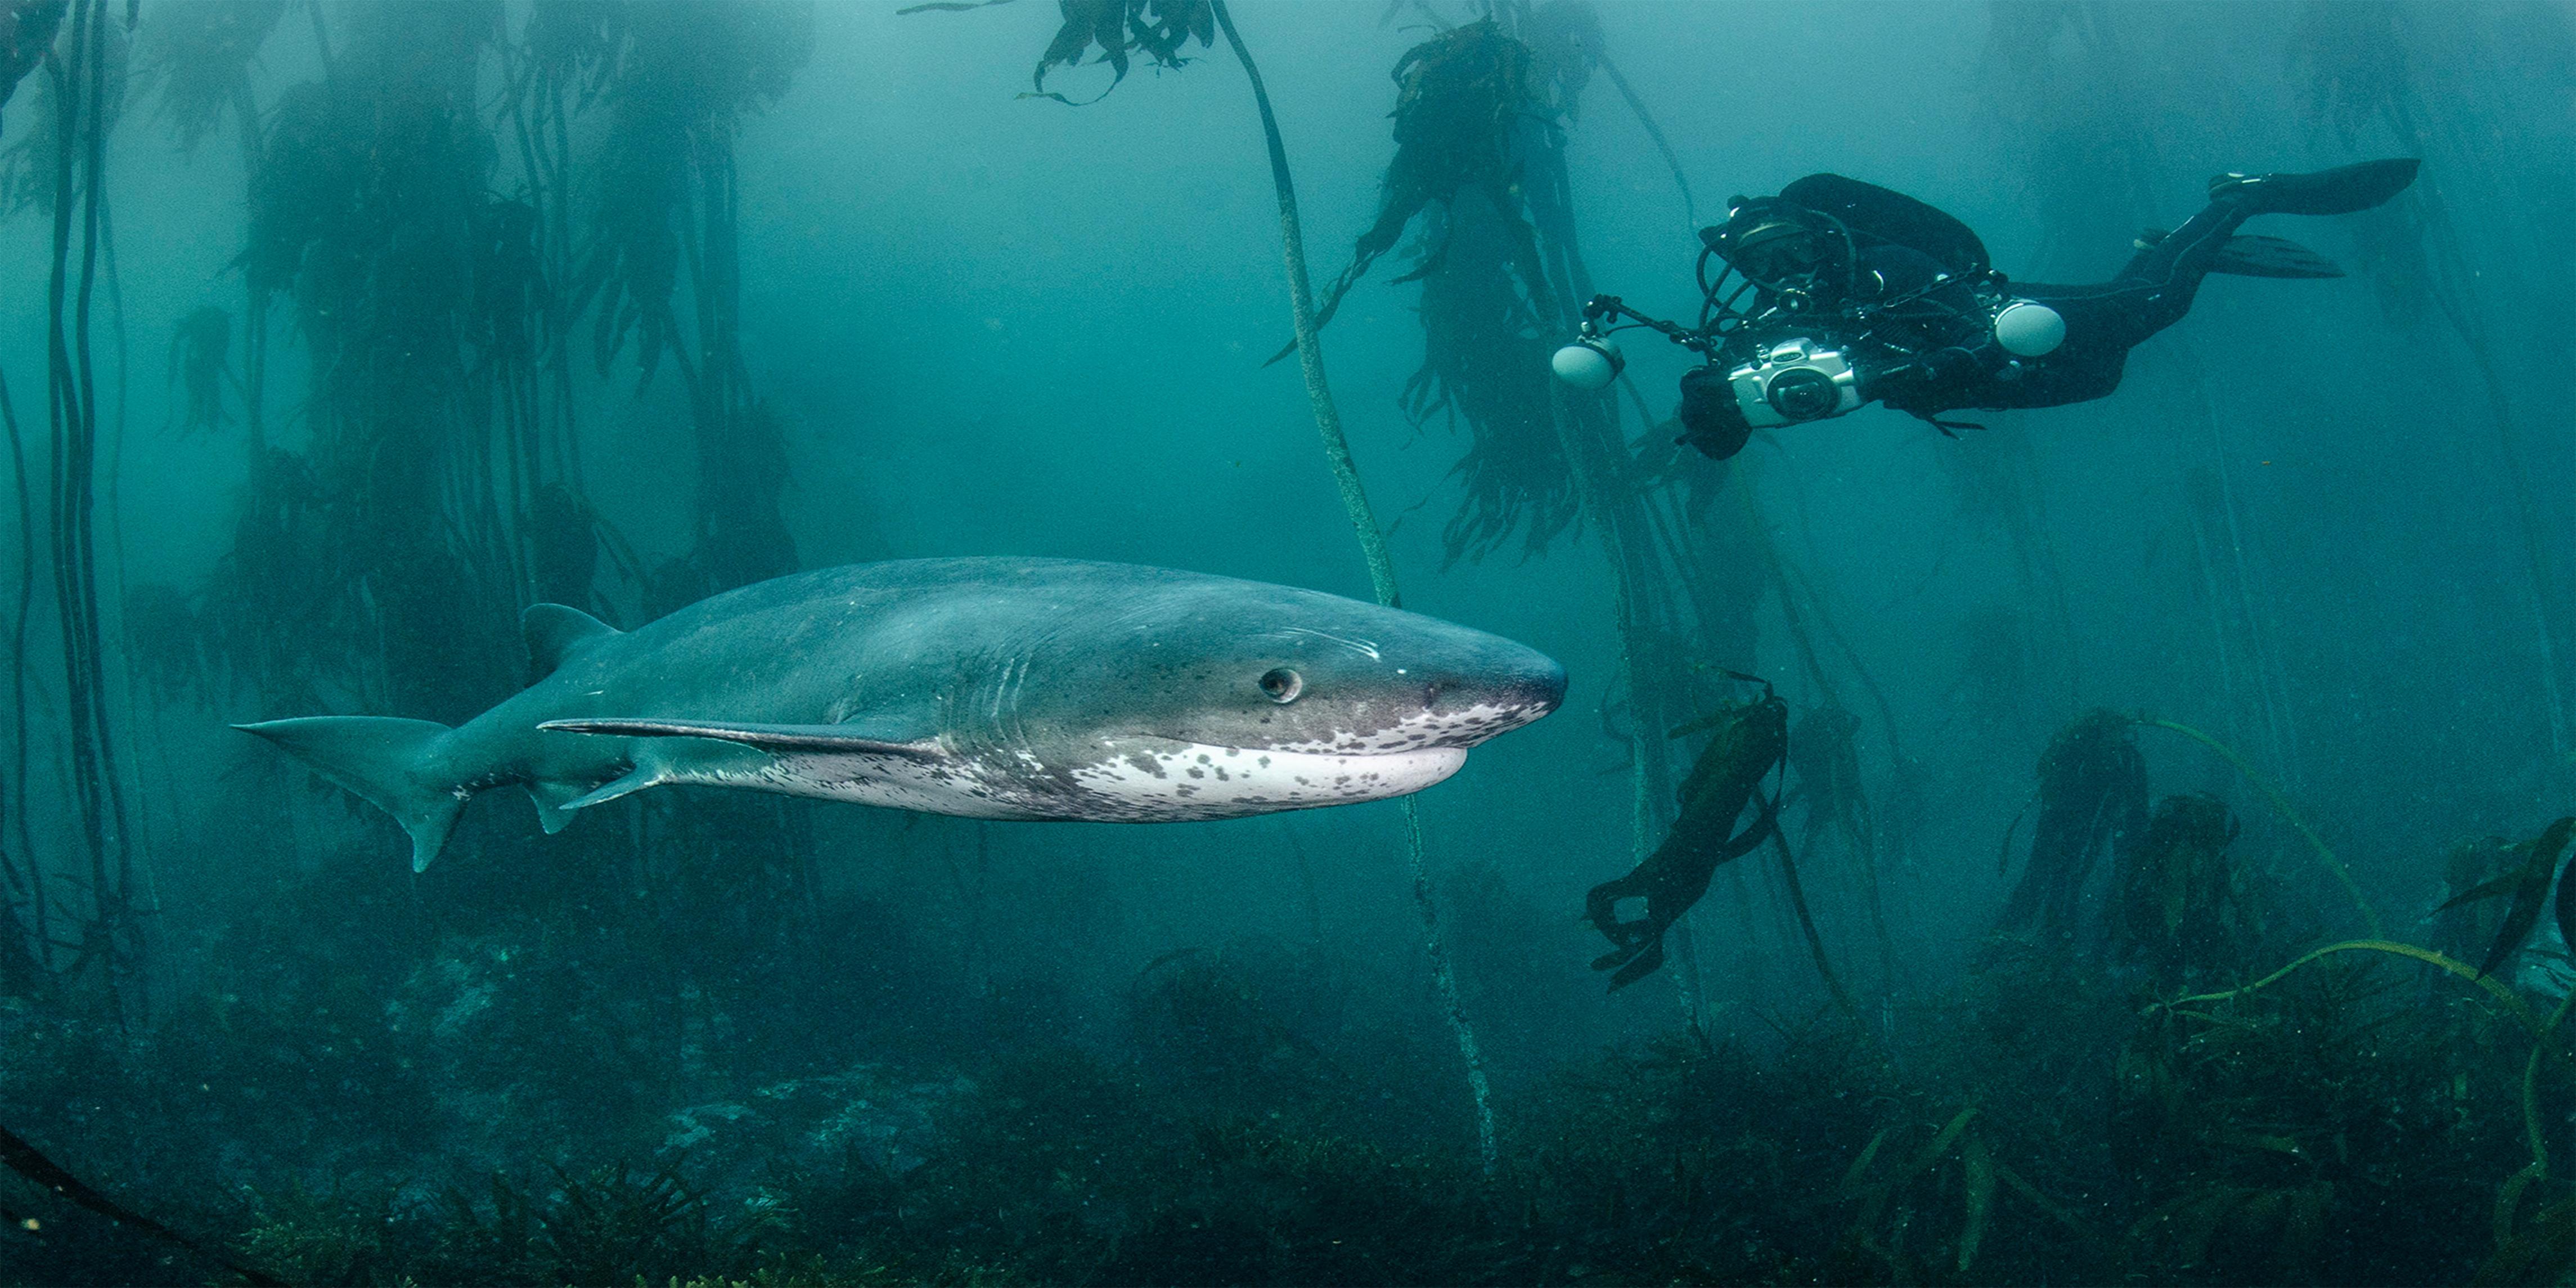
[(389, 762)]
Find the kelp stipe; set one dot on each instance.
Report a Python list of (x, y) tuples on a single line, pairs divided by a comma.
[(1337, 454), (1119, 28)]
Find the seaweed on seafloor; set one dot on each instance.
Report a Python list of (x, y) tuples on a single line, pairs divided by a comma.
[(1894, 1200), (2190, 1040), (2325, 1131), (1690, 1159), (610, 1224), (1238, 1026), (2092, 797), (1748, 742), (27, 1161)]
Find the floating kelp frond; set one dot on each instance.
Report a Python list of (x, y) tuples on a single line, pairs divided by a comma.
[(1464, 101), (1748, 742), (1157, 29), (1119, 29), (1459, 99), (2092, 795), (1484, 362)]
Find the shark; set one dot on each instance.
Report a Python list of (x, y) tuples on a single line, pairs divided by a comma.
[(995, 688)]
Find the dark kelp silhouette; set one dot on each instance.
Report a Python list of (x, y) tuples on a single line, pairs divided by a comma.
[(2092, 797), (26, 31), (200, 366), (1468, 103), (1748, 742), (27, 1161), (676, 80), (2176, 904), (1158, 29), (2527, 881), (1119, 29)]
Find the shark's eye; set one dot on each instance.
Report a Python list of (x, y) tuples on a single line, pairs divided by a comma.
[(1282, 684)]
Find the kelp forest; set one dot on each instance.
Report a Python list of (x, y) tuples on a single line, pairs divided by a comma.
[(2127, 841)]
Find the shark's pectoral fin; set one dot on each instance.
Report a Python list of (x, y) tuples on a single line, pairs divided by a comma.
[(847, 740)]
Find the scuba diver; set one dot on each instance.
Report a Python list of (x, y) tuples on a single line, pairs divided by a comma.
[(1859, 294)]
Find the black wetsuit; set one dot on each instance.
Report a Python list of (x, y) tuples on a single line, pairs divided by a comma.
[(1926, 347)]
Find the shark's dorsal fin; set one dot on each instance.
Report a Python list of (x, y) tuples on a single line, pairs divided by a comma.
[(849, 739), (556, 633)]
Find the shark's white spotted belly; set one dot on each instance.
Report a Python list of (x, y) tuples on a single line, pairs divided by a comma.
[(1172, 783), (1195, 780)]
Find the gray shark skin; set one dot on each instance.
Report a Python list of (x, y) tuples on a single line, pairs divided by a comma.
[(999, 688)]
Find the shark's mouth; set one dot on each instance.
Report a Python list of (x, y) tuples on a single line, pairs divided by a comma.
[(1188, 780), (1460, 728)]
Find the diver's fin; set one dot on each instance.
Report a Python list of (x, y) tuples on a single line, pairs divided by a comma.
[(554, 802), (384, 760), (2246, 255), (842, 739), (556, 633), (2340, 191)]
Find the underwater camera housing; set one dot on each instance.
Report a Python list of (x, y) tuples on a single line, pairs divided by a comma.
[(1792, 381)]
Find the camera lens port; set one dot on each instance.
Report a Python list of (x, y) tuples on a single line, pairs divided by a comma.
[(1803, 393)]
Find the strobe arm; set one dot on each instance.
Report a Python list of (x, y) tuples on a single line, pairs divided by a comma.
[(1593, 361), (1611, 306)]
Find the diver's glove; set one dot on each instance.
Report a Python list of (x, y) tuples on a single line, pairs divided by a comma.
[(1710, 419)]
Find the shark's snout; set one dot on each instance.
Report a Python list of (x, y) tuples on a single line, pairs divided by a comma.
[(1467, 708), (1539, 687)]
